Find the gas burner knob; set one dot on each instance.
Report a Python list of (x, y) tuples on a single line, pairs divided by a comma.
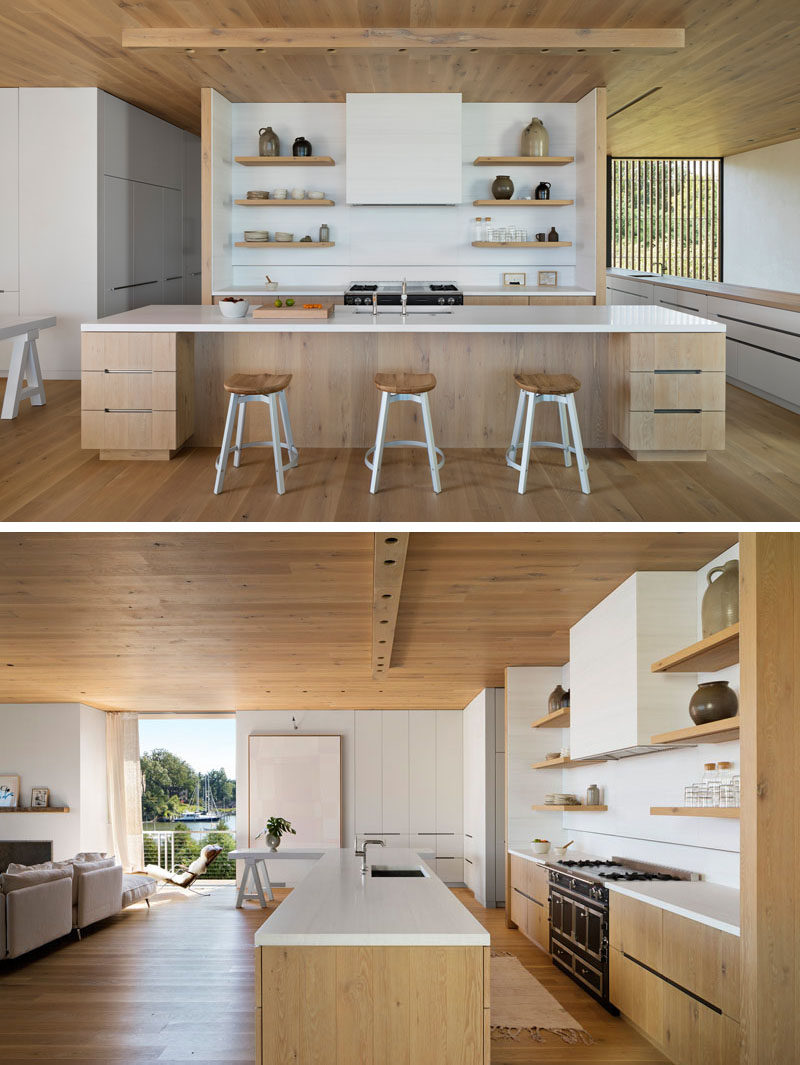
[(440, 299), (451, 299), (357, 299), (573, 884)]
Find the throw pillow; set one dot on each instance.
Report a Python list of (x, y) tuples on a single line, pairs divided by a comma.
[(16, 881), (15, 867)]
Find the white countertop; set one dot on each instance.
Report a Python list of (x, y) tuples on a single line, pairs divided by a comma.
[(306, 289), (336, 906), (474, 319), (747, 293), (710, 904)]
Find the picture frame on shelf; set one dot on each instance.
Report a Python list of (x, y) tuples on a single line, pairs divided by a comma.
[(9, 791), (518, 279), (548, 279), (40, 797)]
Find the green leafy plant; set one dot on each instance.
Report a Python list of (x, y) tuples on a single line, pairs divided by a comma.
[(276, 826)]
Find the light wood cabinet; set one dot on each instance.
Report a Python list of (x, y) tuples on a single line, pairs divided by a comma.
[(637, 994), (693, 1034), (529, 907), (702, 959)]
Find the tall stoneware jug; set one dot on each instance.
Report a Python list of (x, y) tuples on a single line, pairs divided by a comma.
[(268, 143), (721, 600), (535, 139)]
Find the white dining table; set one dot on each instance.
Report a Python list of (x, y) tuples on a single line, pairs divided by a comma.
[(24, 365), (255, 866)]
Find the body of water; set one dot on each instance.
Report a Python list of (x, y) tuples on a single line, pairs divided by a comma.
[(196, 829)]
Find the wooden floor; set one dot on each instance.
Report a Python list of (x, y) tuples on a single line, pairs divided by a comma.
[(45, 476), (175, 984)]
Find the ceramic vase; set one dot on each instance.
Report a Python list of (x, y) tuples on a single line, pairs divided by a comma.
[(535, 139), (273, 842), (555, 699), (721, 600), (714, 700), (301, 147), (502, 187), (268, 142)]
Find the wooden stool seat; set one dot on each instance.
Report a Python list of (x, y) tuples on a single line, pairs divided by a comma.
[(257, 384), (408, 384), (548, 384)]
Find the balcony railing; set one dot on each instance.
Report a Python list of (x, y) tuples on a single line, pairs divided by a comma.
[(171, 849)]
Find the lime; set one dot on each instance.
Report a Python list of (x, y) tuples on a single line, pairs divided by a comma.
[(278, 303), (290, 303)]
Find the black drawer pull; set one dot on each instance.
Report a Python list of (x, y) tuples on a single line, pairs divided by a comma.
[(128, 410), (757, 325), (678, 371), (678, 410), (127, 371), (772, 351), (680, 306)]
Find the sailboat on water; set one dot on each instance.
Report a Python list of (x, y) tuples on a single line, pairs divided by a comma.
[(208, 811)]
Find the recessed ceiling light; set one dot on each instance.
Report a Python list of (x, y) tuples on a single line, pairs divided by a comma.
[(580, 49), (261, 50), (616, 49), (401, 49), (473, 49), (222, 50), (543, 50), (331, 51), (189, 51)]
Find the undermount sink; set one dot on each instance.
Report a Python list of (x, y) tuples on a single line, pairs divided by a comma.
[(385, 870)]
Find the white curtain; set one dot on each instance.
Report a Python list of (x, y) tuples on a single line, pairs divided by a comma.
[(125, 788)]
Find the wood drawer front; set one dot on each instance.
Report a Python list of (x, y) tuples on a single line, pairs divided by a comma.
[(538, 925), (673, 351), (702, 959), (130, 351), (676, 432), (539, 884), (146, 390), (520, 874), (689, 390), (561, 301), (696, 1035), (129, 431), (491, 301), (519, 909), (638, 994), (635, 928)]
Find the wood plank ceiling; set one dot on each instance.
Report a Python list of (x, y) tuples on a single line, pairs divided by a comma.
[(735, 86), (193, 622)]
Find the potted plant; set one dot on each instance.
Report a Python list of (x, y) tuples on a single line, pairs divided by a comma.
[(273, 830)]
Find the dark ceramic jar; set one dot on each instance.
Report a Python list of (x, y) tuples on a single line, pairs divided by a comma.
[(556, 699), (713, 701), (502, 187), (301, 147)]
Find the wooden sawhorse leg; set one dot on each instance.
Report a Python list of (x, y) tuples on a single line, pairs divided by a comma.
[(24, 367)]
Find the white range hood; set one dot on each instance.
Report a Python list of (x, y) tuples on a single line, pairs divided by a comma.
[(404, 148)]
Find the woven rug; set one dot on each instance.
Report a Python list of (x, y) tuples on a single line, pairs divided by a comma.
[(521, 1004)]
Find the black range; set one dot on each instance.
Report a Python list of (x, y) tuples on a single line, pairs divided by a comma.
[(419, 293)]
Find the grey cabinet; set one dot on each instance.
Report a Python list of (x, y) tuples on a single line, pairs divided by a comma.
[(117, 242), (9, 190), (173, 259)]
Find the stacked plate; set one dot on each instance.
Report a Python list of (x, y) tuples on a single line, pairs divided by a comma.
[(284, 238), (256, 235), (559, 799), (257, 194)]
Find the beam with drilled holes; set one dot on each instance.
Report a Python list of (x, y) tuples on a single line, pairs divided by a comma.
[(388, 564)]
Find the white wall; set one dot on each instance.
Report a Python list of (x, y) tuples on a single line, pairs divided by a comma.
[(382, 242), (60, 746), (761, 218)]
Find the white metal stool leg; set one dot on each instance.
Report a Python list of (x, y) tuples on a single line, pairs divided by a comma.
[(276, 442), (433, 458), (287, 429), (526, 444), (24, 366), (222, 461), (237, 454), (562, 414), (380, 439), (578, 442), (511, 454)]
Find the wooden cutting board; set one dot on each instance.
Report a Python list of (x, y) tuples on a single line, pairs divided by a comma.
[(298, 311)]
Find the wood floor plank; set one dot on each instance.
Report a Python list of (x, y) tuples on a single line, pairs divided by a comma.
[(45, 476)]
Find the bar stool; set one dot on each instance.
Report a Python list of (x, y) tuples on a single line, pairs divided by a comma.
[(538, 388), (269, 388), (401, 388)]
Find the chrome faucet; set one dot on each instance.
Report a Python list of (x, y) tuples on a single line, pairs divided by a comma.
[(403, 297), (375, 842), (375, 303)]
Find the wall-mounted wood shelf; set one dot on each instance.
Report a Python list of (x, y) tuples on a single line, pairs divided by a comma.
[(524, 160), (565, 763), (574, 806), (285, 160), (558, 719), (522, 244), (34, 809), (713, 732), (285, 203), (284, 244), (706, 656), (695, 811), (520, 203)]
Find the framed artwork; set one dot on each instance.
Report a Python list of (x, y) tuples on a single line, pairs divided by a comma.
[(9, 791), (548, 278), (297, 776), (40, 797), (515, 280)]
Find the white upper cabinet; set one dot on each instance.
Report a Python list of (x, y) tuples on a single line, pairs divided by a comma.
[(403, 148), (422, 771), (9, 190), (369, 773), (449, 775), (394, 743), (616, 702)]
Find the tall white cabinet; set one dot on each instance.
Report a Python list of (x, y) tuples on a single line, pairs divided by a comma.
[(409, 783)]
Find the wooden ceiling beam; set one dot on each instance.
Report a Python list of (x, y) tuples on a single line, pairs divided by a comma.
[(388, 567), (376, 39)]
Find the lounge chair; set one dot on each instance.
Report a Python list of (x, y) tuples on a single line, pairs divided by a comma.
[(184, 876)]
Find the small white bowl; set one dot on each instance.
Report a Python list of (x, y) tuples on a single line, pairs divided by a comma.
[(298, 194), (540, 848), (271, 285), (284, 238), (559, 852), (234, 310), (279, 194), (316, 195)]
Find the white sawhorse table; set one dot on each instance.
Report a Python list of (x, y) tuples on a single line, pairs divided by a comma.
[(24, 364), (255, 859)]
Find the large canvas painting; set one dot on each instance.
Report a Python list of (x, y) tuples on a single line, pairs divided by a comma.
[(298, 777)]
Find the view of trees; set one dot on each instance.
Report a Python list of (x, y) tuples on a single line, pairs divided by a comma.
[(169, 782)]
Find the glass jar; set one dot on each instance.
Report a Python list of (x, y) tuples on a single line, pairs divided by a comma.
[(728, 785), (324, 233), (593, 795), (710, 785)]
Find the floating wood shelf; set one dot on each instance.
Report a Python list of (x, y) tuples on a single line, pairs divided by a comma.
[(565, 763), (706, 656), (285, 203), (284, 244), (519, 203), (522, 244), (574, 806), (524, 160), (285, 160), (695, 811), (713, 732), (34, 809), (558, 719)]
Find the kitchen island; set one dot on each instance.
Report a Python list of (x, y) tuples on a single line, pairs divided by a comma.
[(370, 968), (652, 379)]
